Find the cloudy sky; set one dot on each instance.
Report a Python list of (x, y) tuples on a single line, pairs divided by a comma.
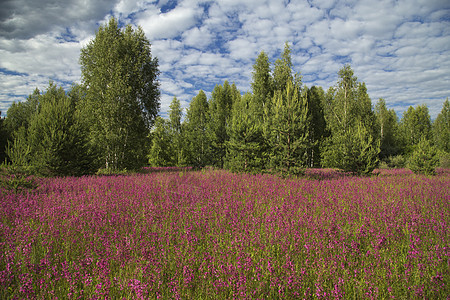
[(399, 48)]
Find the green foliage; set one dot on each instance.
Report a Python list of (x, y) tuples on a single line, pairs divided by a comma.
[(354, 151), (441, 128), (19, 150), (287, 129), (4, 137), (444, 159), (340, 104), (17, 182), (396, 162), (317, 130), (424, 159), (262, 82), (58, 143), (50, 140), (122, 94), (197, 137), (19, 114), (220, 106), (282, 73), (245, 132), (175, 115), (111, 172), (415, 126), (162, 153), (353, 145), (387, 123)]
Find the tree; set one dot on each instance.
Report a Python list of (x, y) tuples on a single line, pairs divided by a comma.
[(287, 133), (262, 81), (282, 73), (387, 123), (415, 125), (220, 106), (58, 143), (317, 129), (18, 150), (19, 113), (365, 113), (4, 137), (352, 151), (245, 132), (122, 94), (49, 137), (424, 158), (197, 135), (353, 145), (162, 152), (175, 115), (340, 109), (441, 128), (16, 124)]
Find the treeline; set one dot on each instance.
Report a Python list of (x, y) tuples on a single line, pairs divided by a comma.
[(110, 122), (284, 126)]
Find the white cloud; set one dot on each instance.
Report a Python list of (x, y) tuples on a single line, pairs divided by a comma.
[(242, 49), (22, 19), (401, 49), (197, 37), (168, 25)]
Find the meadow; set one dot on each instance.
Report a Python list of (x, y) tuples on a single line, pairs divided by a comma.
[(217, 235)]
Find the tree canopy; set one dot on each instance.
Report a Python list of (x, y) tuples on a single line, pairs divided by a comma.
[(111, 120), (122, 94)]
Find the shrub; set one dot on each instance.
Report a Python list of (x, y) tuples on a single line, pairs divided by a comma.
[(396, 162), (383, 165)]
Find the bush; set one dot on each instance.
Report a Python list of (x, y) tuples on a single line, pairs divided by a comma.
[(383, 165), (110, 172), (396, 162), (424, 159)]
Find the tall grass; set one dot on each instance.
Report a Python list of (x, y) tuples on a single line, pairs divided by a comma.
[(217, 235)]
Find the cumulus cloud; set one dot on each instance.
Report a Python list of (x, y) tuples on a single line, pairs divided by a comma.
[(170, 24), (198, 38), (400, 49), (22, 19)]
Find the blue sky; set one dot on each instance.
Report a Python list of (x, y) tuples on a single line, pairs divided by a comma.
[(400, 49)]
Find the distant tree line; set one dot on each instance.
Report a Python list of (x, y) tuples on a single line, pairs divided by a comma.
[(285, 127), (110, 121)]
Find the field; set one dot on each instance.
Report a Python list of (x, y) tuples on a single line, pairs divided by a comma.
[(217, 235)]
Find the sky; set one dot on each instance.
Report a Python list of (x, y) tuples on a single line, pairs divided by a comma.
[(399, 48)]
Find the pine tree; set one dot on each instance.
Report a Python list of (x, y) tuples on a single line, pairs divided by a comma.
[(262, 81), (245, 132), (287, 132), (57, 142), (424, 158), (282, 73)]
